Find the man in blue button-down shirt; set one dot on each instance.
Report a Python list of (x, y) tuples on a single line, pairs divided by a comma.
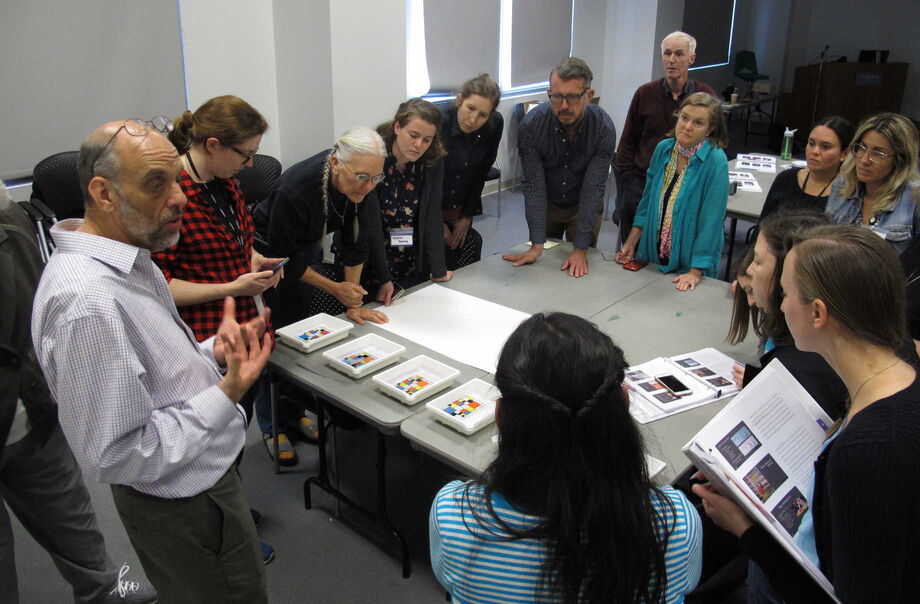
[(565, 146)]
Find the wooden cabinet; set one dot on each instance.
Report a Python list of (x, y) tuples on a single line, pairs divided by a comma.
[(850, 90)]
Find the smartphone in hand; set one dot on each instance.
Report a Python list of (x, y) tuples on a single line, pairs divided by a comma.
[(278, 266)]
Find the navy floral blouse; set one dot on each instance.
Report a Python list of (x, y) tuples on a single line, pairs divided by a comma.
[(399, 198)]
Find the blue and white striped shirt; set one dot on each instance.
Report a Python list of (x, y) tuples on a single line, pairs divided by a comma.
[(476, 564), (138, 396)]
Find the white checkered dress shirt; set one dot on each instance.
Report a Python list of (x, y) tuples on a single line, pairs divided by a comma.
[(138, 395)]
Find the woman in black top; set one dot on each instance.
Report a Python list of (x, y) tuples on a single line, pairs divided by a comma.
[(809, 188), (864, 515), (471, 130), (407, 247), (331, 192)]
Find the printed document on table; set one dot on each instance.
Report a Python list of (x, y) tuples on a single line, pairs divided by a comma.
[(760, 451), (706, 372), (746, 181), (755, 161), (460, 326)]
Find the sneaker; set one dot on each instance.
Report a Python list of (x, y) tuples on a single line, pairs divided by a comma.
[(256, 516), (129, 591), (287, 456), (268, 552)]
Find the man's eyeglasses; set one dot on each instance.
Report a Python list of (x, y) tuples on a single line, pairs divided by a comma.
[(556, 99), (363, 178), (137, 127), (875, 156), (246, 155)]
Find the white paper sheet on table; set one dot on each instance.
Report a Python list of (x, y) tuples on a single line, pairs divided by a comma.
[(460, 326)]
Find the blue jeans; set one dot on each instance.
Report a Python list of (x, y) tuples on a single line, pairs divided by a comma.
[(263, 403), (760, 591)]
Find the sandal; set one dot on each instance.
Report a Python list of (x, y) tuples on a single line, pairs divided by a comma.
[(305, 429), (287, 456)]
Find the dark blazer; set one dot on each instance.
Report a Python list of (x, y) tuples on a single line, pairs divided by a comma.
[(429, 237), (20, 375), (469, 159)]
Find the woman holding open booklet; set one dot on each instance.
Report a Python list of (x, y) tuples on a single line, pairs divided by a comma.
[(861, 521)]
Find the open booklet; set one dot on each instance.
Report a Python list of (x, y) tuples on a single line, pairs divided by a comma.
[(760, 451), (707, 373)]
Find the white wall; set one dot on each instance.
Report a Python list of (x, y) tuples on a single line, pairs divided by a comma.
[(368, 61), (629, 54), (304, 74), (229, 48), (849, 26)]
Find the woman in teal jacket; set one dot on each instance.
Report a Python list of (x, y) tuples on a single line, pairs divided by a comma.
[(679, 220)]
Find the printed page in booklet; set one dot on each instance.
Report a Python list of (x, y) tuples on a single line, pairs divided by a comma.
[(760, 451), (706, 372)]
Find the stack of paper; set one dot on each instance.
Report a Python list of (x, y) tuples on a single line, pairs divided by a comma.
[(754, 161), (746, 181)]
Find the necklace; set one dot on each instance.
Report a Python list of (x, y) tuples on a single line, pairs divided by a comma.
[(866, 381), (344, 209), (824, 188)]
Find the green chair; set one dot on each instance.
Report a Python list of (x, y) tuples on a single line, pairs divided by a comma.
[(746, 70)]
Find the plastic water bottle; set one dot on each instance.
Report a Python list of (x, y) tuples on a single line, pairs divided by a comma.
[(786, 153)]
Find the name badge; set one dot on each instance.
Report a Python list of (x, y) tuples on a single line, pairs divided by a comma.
[(400, 237)]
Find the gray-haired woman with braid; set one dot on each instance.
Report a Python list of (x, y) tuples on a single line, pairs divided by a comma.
[(331, 192)]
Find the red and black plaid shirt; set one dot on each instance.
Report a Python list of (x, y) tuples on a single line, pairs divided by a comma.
[(208, 253)]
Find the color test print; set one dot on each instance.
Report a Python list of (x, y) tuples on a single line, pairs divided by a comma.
[(358, 359), (462, 407), (312, 334), (413, 384)]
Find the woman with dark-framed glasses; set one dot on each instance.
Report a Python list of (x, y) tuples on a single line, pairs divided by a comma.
[(878, 183), (331, 192)]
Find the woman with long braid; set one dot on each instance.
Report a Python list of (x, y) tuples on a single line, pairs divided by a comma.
[(331, 192)]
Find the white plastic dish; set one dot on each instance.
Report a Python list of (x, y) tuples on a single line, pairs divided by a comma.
[(364, 355), (416, 379), (315, 332), (466, 408)]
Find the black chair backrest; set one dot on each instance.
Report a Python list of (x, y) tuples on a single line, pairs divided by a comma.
[(260, 179), (56, 183)]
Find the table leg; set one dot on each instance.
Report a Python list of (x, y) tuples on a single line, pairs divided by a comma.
[(274, 405), (379, 516), (731, 247)]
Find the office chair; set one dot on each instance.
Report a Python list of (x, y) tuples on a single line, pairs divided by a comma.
[(517, 114), (259, 180), (55, 183), (746, 70)]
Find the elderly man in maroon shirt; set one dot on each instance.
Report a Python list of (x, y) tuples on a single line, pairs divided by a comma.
[(652, 114)]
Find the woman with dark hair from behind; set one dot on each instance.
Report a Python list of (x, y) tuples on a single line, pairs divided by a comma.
[(864, 515), (809, 187), (471, 129), (567, 511)]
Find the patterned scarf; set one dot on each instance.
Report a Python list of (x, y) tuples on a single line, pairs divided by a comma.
[(664, 246)]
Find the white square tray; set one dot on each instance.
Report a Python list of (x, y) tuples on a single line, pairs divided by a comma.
[(466, 408), (314, 332), (377, 353), (416, 379)]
